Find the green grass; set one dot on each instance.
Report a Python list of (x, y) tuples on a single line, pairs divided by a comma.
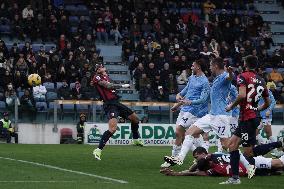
[(138, 166)]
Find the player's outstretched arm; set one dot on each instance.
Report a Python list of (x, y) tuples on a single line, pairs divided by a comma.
[(169, 172), (110, 85)]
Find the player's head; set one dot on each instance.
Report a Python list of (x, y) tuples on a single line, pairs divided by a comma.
[(216, 64), (6, 115), (199, 153), (100, 69), (197, 66), (251, 62), (203, 164)]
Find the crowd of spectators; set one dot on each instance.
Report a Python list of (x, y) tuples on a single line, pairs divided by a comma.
[(160, 40)]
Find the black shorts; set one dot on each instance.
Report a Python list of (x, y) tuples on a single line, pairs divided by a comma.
[(114, 109), (247, 131)]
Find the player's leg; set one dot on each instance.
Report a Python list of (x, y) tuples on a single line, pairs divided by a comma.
[(134, 129), (200, 126), (112, 114), (205, 142)]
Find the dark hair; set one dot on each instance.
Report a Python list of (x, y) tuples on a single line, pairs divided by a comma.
[(251, 62), (203, 164), (199, 150), (201, 63), (219, 62)]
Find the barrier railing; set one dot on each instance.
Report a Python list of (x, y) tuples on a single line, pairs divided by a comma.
[(94, 105)]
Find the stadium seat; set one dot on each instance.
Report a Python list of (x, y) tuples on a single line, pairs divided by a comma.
[(20, 94), (36, 47), (68, 109), (172, 98), (5, 29), (49, 86), (59, 84), (73, 20), (2, 106), (82, 108), (66, 136), (41, 107), (51, 96)]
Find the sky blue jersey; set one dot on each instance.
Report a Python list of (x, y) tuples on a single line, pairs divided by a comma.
[(197, 90), (219, 93), (232, 97), (271, 107)]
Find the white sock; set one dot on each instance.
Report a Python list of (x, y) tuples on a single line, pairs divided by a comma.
[(282, 159), (272, 139), (243, 160), (176, 150), (219, 145), (206, 145), (186, 146)]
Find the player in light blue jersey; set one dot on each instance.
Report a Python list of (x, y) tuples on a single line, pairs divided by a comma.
[(235, 114), (266, 119), (194, 100), (218, 119)]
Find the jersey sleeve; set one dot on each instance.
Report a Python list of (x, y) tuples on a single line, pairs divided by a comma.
[(241, 81), (96, 79), (211, 172)]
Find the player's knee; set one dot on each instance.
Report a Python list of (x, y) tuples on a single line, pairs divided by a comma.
[(134, 118)]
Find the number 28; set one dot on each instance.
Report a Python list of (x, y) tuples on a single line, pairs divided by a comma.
[(259, 91)]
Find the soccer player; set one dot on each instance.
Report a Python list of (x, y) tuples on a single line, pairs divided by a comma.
[(194, 99), (235, 114), (113, 108), (251, 88), (218, 119), (266, 119), (219, 164)]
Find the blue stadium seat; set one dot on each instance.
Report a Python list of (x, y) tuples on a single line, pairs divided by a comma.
[(20, 94), (41, 106), (36, 47), (73, 20), (68, 109), (73, 29), (2, 106), (5, 29), (49, 85), (59, 84), (51, 96), (172, 98), (47, 47)]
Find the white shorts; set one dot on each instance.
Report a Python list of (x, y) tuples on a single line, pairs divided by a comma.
[(186, 119), (262, 162), (234, 122), (220, 124), (266, 121)]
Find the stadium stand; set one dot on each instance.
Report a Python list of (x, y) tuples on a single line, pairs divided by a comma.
[(54, 38)]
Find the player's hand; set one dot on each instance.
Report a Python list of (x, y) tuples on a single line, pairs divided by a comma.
[(179, 97), (125, 86), (186, 102), (229, 108), (267, 114), (229, 69), (167, 171), (176, 106)]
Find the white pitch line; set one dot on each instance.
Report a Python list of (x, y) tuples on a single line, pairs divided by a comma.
[(66, 170), (35, 181)]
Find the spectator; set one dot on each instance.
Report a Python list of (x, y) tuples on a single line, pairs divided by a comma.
[(171, 85), (7, 131), (89, 44), (39, 92), (28, 104), (276, 77), (10, 97), (147, 93), (101, 31), (64, 92), (162, 94), (28, 12), (115, 31), (76, 91)]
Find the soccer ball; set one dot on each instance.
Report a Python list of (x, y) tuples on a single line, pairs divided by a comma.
[(34, 79)]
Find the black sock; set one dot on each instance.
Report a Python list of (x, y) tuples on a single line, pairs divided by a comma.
[(265, 148), (234, 162), (107, 134), (251, 160), (134, 129)]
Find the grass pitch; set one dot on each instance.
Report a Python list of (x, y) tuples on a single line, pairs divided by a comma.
[(138, 166)]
